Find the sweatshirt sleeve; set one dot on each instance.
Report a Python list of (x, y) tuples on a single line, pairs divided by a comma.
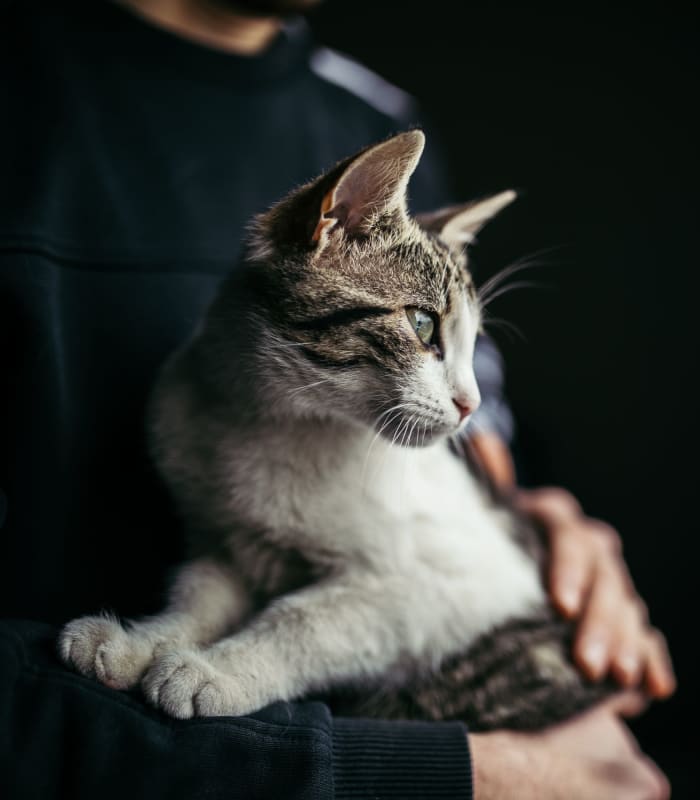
[(494, 414), (62, 735), (408, 760)]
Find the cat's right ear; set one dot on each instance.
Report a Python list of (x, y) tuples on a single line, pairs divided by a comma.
[(457, 226), (368, 186)]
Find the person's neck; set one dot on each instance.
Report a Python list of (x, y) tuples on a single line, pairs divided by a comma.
[(206, 22)]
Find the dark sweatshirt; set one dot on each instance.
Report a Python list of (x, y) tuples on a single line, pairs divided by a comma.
[(130, 163)]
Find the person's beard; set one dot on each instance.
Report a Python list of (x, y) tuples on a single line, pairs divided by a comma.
[(267, 8)]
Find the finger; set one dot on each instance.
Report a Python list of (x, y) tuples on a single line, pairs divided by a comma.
[(630, 652), (571, 568), (549, 504), (596, 633), (660, 676)]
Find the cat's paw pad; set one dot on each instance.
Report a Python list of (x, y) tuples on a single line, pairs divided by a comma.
[(100, 648), (184, 684)]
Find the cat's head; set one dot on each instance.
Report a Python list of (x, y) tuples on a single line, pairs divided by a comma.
[(363, 312)]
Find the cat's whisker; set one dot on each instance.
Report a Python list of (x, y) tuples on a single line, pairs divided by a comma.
[(308, 386), (415, 419), (405, 438), (533, 259), (499, 322), (396, 410), (527, 262), (397, 431), (415, 425), (285, 345), (402, 427), (389, 410), (394, 437), (509, 287)]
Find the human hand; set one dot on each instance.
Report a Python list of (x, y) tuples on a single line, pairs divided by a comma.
[(589, 581), (590, 757)]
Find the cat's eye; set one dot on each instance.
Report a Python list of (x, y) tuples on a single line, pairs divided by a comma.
[(423, 324)]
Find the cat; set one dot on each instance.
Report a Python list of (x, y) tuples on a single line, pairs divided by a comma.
[(339, 545)]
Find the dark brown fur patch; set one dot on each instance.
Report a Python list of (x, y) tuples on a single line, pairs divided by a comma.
[(519, 676)]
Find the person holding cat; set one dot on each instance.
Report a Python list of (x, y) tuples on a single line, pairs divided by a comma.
[(113, 214)]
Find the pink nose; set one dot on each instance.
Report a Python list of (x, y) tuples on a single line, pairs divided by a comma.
[(464, 409)]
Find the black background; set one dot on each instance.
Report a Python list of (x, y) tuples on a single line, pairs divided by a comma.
[(592, 112)]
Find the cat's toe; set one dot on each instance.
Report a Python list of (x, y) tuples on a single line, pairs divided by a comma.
[(80, 640), (184, 684), (217, 698), (119, 662), (173, 680)]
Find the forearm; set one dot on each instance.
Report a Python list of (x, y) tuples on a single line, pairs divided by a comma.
[(495, 458)]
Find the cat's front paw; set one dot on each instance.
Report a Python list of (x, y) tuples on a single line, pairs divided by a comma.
[(185, 684), (99, 647)]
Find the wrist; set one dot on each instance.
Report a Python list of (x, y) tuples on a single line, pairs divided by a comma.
[(500, 761)]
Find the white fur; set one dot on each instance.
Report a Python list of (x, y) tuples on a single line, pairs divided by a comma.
[(419, 564), (413, 562)]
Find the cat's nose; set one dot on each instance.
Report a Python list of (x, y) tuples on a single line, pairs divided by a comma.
[(465, 406)]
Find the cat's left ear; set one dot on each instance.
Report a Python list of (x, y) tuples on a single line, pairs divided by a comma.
[(458, 225), (370, 184)]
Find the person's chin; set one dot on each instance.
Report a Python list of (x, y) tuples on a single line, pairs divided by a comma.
[(268, 8)]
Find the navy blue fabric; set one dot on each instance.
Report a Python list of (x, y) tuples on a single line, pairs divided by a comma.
[(130, 161), (64, 736), (130, 166)]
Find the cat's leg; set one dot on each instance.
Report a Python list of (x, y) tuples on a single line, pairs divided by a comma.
[(207, 599), (338, 631)]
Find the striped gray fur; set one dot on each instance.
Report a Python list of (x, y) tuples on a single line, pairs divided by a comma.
[(338, 545)]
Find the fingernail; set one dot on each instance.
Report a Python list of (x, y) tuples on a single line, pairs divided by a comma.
[(594, 655), (629, 664), (568, 596), (666, 686)]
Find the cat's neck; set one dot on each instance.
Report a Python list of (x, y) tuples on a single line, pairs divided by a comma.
[(334, 451)]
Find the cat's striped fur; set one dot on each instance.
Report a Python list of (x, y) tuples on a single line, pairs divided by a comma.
[(338, 544)]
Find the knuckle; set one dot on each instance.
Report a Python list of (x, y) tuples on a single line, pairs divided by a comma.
[(607, 539), (555, 502), (659, 640), (564, 500), (642, 610)]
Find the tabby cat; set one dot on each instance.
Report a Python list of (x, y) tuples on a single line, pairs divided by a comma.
[(339, 545)]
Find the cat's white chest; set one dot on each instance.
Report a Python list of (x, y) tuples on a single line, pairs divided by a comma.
[(413, 515), (468, 572)]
